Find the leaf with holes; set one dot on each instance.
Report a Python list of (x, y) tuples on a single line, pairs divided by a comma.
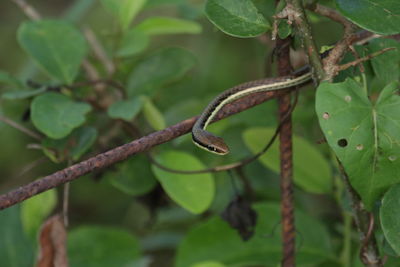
[(364, 136), (390, 217), (238, 18), (380, 16)]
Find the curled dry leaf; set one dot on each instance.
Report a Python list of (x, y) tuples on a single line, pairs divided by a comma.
[(52, 243)]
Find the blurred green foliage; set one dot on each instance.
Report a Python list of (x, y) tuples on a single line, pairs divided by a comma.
[(168, 59)]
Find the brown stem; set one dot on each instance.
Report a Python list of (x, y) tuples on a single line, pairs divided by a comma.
[(337, 53), (286, 159)]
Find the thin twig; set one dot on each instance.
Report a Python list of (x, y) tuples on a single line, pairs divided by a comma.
[(98, 50), (368, 57), (108, 82), (28, 10), (357, 56), (246, 183), (65, 203), (337, 53), (329, 13), (369, 234), (31, 166), (91, 72), (21, 128)]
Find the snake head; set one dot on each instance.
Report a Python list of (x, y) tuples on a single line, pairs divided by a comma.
[(211, 143)]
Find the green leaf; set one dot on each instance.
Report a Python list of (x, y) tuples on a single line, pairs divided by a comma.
[(154, 3), (386, 66), (364, 136), (133, 176), (126, 109), (101, 247), (267, 8), (193, 192), (56, 115), (124, 10), (163, 67), (238, 18), (208, 264), (15, 248), (35, 210), (390, 217), (284, 29), (71, 147), (10, 81), (57, 46), (214, 240), (22, 94), (133, 42), (83, 139), (153, 116), (379, 16), (311, 171), (167, 25)]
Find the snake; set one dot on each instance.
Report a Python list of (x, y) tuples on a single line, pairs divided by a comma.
[(215, 144)]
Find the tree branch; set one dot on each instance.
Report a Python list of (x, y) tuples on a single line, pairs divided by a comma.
[(331, 62), (122, 152)]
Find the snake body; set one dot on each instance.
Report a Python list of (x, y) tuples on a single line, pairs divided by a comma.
[(215, 144)]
